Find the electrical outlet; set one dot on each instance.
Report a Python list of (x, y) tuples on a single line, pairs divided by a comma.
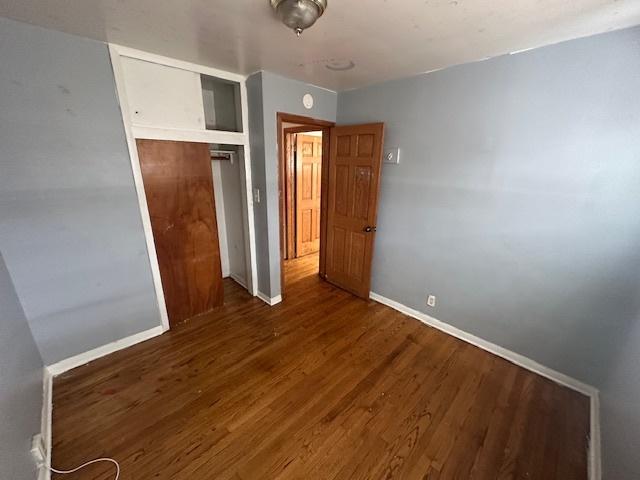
[(431, 300), (38, 451)]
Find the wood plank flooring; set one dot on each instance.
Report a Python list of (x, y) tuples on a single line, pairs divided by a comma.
[(322, 386)]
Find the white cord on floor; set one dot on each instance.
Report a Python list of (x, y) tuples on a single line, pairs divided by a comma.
[(66, 472)]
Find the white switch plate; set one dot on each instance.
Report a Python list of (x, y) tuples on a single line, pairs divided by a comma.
[(391, 155), (431, 300)]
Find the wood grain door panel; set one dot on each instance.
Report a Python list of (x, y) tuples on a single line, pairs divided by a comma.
[(354, 179), (179, 190), (308, 187)]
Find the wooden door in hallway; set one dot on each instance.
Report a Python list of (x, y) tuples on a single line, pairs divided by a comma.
[(308, 186), (179, 190), (354, 179)]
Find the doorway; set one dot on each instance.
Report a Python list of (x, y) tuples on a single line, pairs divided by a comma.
[(303, 176), (303, 153), (348, 160), (303, 171)]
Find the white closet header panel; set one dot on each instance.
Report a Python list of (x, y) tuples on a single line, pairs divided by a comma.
[(160, 96)]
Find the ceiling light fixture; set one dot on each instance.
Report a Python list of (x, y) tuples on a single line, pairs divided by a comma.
[(299, 14), (340, 65)]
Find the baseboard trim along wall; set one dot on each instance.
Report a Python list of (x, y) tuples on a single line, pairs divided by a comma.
[(594, 459), (50, 371), (595, 452), (86, 357), (271, 301), (46, 421), (239, 280), (595, 463)]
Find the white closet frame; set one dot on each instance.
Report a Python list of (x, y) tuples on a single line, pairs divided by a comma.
[(133, 132)]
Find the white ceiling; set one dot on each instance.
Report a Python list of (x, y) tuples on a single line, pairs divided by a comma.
[(385, 38)]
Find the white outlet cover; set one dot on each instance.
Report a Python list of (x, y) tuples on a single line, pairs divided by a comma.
[(431, 300), (38, 450)]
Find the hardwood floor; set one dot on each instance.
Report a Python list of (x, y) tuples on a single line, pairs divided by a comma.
[(322, 386)]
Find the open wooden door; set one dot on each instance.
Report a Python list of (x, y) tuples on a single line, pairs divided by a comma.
[(354, 180), (179, 190), (308, 186)]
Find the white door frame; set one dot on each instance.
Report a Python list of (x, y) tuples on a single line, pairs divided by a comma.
[(133, 132)]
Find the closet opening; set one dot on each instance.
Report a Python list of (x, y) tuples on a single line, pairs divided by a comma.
[(227, 169)]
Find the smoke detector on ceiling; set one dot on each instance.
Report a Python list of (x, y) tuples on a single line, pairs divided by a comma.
[(299, 14)]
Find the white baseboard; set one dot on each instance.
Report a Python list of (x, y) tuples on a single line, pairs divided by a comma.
[(86, 357), (46, 421), (271, 301), (51, 371), (239, 280), (595, 466), (524, 362), (513, 357), (276, 300), (595, 452)]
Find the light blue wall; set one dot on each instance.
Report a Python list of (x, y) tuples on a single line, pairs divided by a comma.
[(20, 385), (516, 202), (70, 228), (269, 94), (258, 178)]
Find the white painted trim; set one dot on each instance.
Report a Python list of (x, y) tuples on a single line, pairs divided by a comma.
[(240, 281), (50, 371), (183, 135), (221, 217), (271, 301), (137, 179), (175, 63), (502, 352), (46, 421), (595, 452), (206, 136), (252, 264), (86, 357)]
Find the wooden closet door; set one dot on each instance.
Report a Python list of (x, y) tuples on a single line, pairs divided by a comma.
[(308, 178), (178, 185), (354, 178)]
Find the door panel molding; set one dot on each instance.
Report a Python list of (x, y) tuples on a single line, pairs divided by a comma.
[(355, 164), (308, 161)]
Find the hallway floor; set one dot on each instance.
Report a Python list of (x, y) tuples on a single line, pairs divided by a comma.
[(322, 386)]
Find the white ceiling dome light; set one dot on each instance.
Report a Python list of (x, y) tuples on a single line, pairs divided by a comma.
[(299, 14)]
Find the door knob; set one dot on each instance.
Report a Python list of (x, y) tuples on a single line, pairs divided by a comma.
[(369, 229)]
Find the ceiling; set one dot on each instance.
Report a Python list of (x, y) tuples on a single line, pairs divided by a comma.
[(384, 38)]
